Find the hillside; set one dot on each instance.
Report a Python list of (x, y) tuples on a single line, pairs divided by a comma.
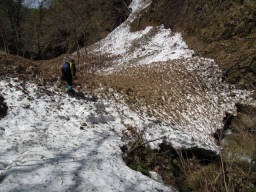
[(48, 31), (149, 113), (221, 30)]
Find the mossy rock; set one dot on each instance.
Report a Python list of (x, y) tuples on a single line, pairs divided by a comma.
[(186, 189)]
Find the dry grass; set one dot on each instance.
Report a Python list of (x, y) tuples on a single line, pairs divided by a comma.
[(222, 30), (188, 171), (167, 91), (161, 89)]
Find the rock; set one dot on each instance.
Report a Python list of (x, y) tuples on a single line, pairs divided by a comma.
[(100, 107), (3, 108), (239, 147), (227, 132), (100, 118), (30, 69), (64, 117), (2, 131), (26, 106), (2, 177), (245, 159)]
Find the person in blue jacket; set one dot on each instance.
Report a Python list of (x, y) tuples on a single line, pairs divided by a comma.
[(68, 72)]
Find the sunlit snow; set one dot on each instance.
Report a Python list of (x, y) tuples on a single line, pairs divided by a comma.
[(207, 99), (46, 145), (52, 142), (152, 44)]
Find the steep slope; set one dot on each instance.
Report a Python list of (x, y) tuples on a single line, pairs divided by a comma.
[(152, 44), (63, 27), (222, 30), (157, 72), (56, 143)]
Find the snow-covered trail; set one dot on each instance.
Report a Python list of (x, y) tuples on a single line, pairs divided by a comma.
[(45, 145)]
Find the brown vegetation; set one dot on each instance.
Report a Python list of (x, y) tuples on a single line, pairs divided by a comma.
[(157, 87), (221, 29), (146, 86), (192, 170), (61, 27)]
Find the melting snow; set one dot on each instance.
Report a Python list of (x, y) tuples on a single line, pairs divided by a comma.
[(45, 145), (205, 96), (44, 148), (152, 44)]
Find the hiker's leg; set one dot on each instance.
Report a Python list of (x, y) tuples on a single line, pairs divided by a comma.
[(63, 74), (70, 83)]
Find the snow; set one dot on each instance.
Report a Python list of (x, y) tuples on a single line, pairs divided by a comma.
[(156, 176), (196, 103), (152, 44), (43, 147), (203, 100), (52, 142)]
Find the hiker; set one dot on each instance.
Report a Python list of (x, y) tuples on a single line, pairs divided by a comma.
[(68, 72)]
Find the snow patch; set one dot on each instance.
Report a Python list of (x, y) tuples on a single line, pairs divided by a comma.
[(201, 104), (43, 147), (152, 44)]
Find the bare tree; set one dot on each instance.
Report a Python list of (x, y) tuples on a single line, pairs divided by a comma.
[(13, 11), (3, 36), (41, 16)]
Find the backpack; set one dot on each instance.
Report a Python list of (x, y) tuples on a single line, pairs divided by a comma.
[(65, 66), (71, 68)]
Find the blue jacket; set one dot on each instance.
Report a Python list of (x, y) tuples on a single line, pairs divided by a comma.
[(69, 67)]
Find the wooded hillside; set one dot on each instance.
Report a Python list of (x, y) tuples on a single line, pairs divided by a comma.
[(59, 27), (224, 30)]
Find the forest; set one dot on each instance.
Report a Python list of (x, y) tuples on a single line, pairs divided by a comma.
[(55, 27)]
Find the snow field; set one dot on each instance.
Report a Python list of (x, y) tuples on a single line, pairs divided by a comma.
[(52, 142), (200, 112), (200, 103), (153, 44), (43, 148)]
